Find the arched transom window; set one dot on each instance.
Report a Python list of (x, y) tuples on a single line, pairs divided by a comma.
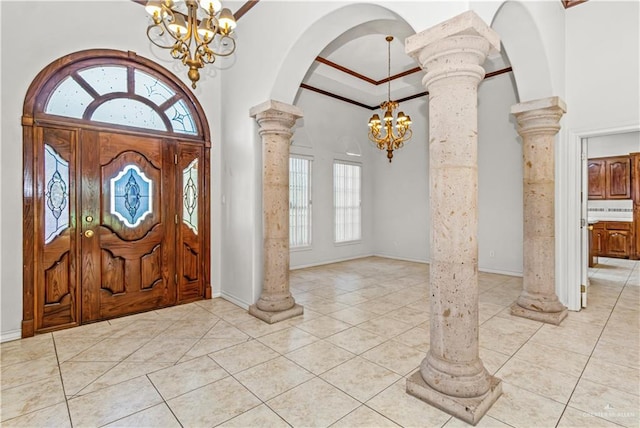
[(122, 95)]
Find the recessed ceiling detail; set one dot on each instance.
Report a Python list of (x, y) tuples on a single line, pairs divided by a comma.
[(399, 100), (570, 3)]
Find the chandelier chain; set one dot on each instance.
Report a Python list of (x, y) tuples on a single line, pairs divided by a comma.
[(389, 70)]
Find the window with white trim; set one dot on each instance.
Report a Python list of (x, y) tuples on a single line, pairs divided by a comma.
[(346, 201), (299, 201)]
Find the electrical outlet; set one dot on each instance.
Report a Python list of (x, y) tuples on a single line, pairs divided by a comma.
[(492, 253)]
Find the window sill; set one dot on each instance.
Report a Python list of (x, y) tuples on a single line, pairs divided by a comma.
[(343, 243)]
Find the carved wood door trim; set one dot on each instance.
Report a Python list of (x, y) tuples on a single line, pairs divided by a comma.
[(69, 161)]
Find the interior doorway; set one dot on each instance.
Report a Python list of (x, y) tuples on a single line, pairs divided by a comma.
[(610, 203), (115, 165)]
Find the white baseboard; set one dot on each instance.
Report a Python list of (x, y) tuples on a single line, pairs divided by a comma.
[(404, 259), (235, 300), (328, 262), (7, 336), (500, 272)]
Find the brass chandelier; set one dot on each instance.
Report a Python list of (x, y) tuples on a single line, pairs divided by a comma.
[(190, 40), (391, 140)]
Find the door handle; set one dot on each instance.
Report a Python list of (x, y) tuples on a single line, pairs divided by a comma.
[(590, 227), (88, 233)]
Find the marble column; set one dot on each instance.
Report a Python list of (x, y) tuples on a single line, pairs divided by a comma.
[(538, 124), (452, 376), (275, 120)]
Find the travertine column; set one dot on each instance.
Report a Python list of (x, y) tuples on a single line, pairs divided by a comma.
[(275, 120), (538, 124), (452, 377)]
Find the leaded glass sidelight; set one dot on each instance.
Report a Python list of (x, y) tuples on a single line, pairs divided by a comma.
[(131, 192), (190, 196), (56, 196)]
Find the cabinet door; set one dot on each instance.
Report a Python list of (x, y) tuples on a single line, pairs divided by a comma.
[(635, 187), (597, 183), (599, 240), (618, 178), (618, 243)]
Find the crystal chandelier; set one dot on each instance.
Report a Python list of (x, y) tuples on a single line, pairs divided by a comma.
[(190, 40), (390, 141)]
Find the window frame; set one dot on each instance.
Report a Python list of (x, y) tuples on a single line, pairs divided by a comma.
[(360, 195), (48, 80), (309, 244)]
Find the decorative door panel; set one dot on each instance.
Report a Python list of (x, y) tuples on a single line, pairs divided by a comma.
[(127, 243), (103, 194), (56, 275), (190, 257)]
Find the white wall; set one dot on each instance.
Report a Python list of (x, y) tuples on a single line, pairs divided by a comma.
[(327, 128), (613, 145), (500, 209), (603, 45), (402, 218), (91, 26)]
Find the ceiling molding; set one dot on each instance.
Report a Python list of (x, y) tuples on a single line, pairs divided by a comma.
[(400, 100), (570, 3), (337, 97), (362, 76), (346, 70), (245, 8)]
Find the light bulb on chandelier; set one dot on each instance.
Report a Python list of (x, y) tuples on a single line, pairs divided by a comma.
[(390, 140), (189, 40)]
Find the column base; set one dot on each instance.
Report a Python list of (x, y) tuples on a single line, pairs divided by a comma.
[(546, 317), (470, 410), (274, 317)]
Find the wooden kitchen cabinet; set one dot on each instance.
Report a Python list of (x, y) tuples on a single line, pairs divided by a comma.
[(635, 195), (596, 168), (618, 243), (612, 239), (598, 235), (618, 178), (610, 178)]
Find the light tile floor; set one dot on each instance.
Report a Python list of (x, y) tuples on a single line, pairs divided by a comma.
[(343, 364)]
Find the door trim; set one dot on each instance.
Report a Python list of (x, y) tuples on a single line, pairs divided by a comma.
[(34, 116), (568, 237)]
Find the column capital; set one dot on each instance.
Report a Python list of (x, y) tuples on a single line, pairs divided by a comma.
[(275, 117), (454, 48), (540, 116)]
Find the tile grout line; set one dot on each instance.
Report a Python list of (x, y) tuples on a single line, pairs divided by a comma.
[(589, 358), (64, 394)]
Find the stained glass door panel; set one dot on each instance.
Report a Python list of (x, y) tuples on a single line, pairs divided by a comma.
[(128, 245), (190, 260), (56, 276)]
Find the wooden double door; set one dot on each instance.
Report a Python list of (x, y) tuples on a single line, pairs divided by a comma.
[(119, 225)]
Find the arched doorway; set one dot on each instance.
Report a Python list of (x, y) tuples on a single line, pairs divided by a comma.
[(116, 160)]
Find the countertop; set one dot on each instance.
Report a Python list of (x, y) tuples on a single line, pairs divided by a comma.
[(592, 220)]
